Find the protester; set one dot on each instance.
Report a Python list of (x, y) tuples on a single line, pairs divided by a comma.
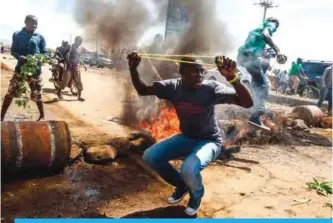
[(249, 57), (326, 89), (200, 141), (294, 73), (26, 42), (2, 49), (284, 81)]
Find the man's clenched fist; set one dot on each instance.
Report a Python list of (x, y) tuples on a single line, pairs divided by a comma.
[(226, 66), (133, 60)]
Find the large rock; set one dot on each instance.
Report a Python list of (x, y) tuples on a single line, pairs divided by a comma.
[(76, 152), (311, 114), (299, 124), (101, 154)]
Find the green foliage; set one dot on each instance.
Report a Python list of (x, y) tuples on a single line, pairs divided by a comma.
[(323, 188), (28, 69), (50, 50)]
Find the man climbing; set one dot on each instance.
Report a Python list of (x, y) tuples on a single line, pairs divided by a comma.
[(26, 42), (73, 69), (249, 57), (200, 140)]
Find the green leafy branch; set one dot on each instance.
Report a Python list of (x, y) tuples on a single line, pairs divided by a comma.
[(323, 188), (28, 69)]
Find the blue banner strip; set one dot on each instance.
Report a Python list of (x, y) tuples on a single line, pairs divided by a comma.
[(87, 220)]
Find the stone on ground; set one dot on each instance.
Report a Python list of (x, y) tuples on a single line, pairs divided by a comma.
[(101, 154)]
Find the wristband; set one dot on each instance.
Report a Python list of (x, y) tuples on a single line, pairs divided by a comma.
[(235, 80)]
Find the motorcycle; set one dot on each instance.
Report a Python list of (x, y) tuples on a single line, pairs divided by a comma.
[(58, 67), (305, 88)]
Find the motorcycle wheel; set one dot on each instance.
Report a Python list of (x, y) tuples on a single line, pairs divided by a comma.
[(310, 92)]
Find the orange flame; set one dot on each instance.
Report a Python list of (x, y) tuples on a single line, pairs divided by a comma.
[(164, 125)]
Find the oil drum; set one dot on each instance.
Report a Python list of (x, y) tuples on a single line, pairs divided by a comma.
[(311, 114), (31, 145)]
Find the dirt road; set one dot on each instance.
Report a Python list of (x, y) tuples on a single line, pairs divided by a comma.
[(262, 181)]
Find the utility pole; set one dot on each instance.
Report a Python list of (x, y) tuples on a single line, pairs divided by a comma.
[(266, 4), (167, 20)]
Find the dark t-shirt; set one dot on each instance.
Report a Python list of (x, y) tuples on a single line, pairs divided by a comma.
[(196, 108), (74, 57), (63, 51), (26, 43)]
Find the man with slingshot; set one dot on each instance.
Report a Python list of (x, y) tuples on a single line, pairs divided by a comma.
[(200, 141)]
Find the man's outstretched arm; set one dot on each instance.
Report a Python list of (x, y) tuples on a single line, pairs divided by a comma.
[(142, 89), (268, 39)]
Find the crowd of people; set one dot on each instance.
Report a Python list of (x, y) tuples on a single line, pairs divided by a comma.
[(292, 78)]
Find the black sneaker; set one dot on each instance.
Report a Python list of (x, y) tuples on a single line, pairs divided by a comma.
[(193, 206), (178, 195), (258, 123)]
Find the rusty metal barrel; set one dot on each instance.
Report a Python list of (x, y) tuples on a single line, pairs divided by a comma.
[(29, 145), (311, 114)]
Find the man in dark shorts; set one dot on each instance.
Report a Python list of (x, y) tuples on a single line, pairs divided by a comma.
[(200, 140), (26, 42)]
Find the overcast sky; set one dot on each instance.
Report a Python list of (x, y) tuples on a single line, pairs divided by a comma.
[(305, 25)]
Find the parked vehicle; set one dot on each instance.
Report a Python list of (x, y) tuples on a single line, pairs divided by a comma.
[(100, 61), (305, 88), (314, 70)]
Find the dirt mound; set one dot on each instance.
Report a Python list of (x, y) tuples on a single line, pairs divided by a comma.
[(241, 133)]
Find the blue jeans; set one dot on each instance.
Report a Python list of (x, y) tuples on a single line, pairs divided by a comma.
[(260, 87), (260, 97), (198, 153), (325, 93)]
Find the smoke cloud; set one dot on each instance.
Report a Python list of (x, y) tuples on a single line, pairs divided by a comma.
[(207, 33), (121, 23), (117, 23)]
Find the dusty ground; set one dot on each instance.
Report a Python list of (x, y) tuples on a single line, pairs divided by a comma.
[(261, 181)]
